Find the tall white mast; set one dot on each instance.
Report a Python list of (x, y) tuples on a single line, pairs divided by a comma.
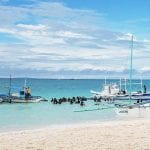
[(25, 83), (105, 81), (120, 84), (131, 56)]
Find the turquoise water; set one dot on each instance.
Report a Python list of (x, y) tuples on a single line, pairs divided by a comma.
[(26, 116)]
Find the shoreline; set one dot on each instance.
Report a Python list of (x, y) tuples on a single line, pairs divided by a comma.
[(121, 134), (133, 114), (72, 125)]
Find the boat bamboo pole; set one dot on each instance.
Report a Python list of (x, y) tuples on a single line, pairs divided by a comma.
[(120, 84), (105, 81), (10, 88), (141, 85), (95, 109), (131, 66)]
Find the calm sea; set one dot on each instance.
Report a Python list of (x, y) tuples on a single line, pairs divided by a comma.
[(27, 116)]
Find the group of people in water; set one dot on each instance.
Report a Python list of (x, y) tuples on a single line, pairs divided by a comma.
[(74, 100)]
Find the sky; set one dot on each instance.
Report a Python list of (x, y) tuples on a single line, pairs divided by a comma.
[(74, 38)]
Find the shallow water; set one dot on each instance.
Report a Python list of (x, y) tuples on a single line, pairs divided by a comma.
[(26, 116)]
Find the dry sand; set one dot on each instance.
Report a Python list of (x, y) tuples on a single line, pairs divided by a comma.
[(117, 135)]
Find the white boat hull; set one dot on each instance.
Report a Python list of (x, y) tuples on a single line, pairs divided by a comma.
[(32, 100), (144, 98)]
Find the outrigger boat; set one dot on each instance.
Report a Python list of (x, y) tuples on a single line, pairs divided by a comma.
[(135, 99), (113, 91), (13, 98), (32, 99), (109, 91), (142, 98), (21, 97)]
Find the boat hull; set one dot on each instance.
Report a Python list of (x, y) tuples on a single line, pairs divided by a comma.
[(23, 100), (135, 97)]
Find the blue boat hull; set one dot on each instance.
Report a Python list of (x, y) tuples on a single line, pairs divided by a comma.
[(143, 97)]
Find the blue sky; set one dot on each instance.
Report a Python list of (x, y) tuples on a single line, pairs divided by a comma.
[(74, 38)]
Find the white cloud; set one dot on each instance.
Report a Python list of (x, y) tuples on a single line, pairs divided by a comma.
[(7, 30), (56, 37), (146, 68), (69, 34), (126, 36), (32, 27)]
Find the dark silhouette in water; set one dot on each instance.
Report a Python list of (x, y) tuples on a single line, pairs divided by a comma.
[(74, 100), (71, 101), (82, 103), (144, 88)]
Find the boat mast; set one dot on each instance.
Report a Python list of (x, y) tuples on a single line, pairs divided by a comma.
[(120, 84), (9, 88), (105, 80), (131, 67), (25, 83), (141, 85)]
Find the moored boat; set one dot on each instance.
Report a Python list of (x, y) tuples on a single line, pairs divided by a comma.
[(109, 91), (32, 99), (113, 90), (20, 95)]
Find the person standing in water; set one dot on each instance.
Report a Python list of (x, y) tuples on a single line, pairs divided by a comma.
[(27, 93), (144, 88)]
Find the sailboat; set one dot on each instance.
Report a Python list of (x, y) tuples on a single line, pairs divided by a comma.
[(138, 96), (113, 90)]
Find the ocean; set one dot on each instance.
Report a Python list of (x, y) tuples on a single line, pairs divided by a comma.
[(43, 114)]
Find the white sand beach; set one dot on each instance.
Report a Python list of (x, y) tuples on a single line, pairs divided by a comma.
[(114, 135)]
